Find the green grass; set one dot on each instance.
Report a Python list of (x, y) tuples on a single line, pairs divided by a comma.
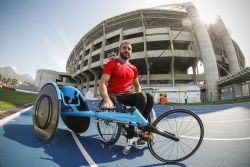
[(10, 100)]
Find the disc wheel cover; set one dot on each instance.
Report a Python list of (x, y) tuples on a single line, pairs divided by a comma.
[(46, 113)]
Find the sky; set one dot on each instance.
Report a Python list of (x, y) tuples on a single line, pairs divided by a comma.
[(40, 34)]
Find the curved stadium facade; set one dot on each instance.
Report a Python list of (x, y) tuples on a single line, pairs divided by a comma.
[(166, 41)]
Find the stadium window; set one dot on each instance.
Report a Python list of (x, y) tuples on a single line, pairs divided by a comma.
[(137, 47), (158, 45), (113, 40), (97, 46), (140, 34), (95, 58), (85, 63), (181, 45), (87, 52), (111, 53)]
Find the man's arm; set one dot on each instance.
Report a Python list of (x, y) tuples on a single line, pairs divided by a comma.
[(137, 85), (107, 103)]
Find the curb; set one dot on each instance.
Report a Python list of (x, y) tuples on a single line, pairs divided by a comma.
[(13, 116)]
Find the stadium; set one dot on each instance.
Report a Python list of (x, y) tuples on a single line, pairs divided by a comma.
[(173, 50)]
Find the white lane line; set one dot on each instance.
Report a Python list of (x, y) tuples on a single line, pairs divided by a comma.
[(218, 139), (240, 120), (13, 116), (82, 149)]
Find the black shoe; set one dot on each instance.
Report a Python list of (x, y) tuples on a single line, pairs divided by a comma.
[(128, 132), (141, 142)]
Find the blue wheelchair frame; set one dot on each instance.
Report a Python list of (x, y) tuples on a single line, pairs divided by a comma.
[(133, 118), (69, 103)]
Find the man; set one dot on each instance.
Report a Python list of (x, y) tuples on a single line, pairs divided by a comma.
[(185, 97), (118, 78)]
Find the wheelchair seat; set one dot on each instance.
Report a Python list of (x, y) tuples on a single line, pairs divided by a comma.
[(70, 95)]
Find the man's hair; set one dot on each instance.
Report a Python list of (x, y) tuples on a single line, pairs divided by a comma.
[(125, 43)]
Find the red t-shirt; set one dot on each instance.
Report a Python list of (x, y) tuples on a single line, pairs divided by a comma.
[(121, 76)]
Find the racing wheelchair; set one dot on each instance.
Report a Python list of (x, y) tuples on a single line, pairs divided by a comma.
[(172, 137)]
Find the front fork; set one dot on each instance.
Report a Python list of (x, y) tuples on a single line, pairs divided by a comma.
[(159, 131), (148, 129)]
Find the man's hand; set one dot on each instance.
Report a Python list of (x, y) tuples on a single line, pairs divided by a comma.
[(107, 103)]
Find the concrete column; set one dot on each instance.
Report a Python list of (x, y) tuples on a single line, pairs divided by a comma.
[(87, 76), (145, 50), (83, 55), (81, 77), (194, 73), (173, 54), (82, 81), (76, 79), (96, 74), (237, 90), (121, 37), (103, 46), (92, 71), (207, 52), (73, 60), (146, 57), (228, 46)]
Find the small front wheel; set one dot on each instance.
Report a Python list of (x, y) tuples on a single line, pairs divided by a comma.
[(109, 131), (183, 124)]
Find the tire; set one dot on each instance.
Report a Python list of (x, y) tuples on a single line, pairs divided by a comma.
[(76, 123), (185, 125), (46, 112), (109, 131)]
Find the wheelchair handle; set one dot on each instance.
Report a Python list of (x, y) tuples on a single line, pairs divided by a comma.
[(122, 110)]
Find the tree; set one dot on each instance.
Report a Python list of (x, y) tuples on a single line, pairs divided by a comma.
[(8, 81), (14, 81), (4, 80)]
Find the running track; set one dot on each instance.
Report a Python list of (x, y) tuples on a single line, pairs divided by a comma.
[(226, 143)]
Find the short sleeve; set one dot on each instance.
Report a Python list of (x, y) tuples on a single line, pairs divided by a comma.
[(135, 73), (108, 68)]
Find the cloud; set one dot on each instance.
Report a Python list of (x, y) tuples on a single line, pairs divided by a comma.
[(65, 40), (58, 55), (12, 66)]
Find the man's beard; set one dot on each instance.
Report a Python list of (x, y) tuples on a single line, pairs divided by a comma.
[(125, 57)]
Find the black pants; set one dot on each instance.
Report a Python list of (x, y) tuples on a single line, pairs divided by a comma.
[(142, 101)]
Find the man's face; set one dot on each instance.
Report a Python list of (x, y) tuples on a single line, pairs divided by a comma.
[(125, 51)]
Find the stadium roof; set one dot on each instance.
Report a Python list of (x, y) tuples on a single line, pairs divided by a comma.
[(240, 77)]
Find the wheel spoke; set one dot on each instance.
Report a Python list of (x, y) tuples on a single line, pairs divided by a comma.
[(188, 130), (187, 145), (187, 125), (183, 124), (180, 126), (171, 150), (161, 145), (170, 126), (165, 149)]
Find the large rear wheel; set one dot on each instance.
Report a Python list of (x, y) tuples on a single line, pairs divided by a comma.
[(109, 131), (183, 124), (46, 112)]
